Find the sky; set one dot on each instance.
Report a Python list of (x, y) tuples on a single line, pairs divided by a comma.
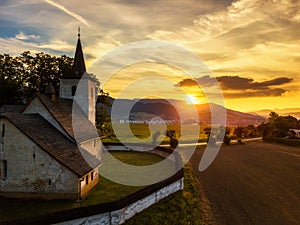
[(251, 47)]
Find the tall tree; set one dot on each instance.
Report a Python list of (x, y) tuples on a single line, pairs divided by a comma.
[(22, 76)]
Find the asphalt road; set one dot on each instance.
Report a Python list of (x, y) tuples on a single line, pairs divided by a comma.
[(254, 183)]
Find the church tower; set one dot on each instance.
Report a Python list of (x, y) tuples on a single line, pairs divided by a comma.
[(79, 84)]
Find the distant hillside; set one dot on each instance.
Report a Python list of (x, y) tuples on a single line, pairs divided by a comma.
[(282, 112), (148, 108), (234, 118)]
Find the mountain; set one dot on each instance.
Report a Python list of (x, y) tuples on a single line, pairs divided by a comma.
[(234, 118), (282, 112), (175, 110)]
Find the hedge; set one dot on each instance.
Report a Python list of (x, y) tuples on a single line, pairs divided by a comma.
[(284, 141)]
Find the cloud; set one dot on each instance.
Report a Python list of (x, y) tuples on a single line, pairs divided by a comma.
[(242, 83), (249, 36), (67, 11), (261, 93), (201, 81), (240, 87), (22, 36), (187, 83)]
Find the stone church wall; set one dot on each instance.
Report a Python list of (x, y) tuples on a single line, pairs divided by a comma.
[(30, 169)]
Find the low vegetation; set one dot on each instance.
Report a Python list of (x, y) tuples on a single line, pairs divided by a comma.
[(181, 208), (283, 141)]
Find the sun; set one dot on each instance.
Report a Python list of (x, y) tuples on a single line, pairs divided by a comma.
[(191, 99)]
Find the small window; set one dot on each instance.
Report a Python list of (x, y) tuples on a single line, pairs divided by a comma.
[(74, 90), (3, 130), (95, 142), (49, 182), (92, 175), (87, 180), (3, 169)]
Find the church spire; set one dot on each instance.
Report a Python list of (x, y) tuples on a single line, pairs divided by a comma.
[(78, 68)]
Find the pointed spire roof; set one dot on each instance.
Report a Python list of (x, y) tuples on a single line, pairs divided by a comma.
[(78, 68)]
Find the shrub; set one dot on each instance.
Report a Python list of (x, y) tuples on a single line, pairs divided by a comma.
[(227, 140), (284, 141)]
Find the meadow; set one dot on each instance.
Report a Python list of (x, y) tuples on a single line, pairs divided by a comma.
[(135, 133)]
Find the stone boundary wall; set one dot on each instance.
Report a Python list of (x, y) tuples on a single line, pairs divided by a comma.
[(123, 214), (117, 212)]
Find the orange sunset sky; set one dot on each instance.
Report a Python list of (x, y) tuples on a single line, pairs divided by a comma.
[(252, 47)]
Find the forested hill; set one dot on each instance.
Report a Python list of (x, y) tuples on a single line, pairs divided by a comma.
[(168, 110)]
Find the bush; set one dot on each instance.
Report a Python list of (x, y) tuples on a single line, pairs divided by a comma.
[(284, 141), (227, 140), (173, 143)]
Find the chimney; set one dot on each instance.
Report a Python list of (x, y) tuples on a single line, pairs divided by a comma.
[(50, 91)]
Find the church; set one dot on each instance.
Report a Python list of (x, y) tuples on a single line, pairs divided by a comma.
[(50, 148)]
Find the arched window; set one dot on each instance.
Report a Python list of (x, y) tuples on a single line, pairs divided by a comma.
[(73, 90)]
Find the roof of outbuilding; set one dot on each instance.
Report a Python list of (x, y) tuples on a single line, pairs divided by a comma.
[(53, 142)]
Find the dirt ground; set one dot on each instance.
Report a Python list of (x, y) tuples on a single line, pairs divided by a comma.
[(254, 183)]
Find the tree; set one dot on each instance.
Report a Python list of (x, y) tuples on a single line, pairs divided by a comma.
[(239, 133), (103, 118), (10, 82), (207, 131), (227, 138), (23, 76), (173, 138), (278, 126)]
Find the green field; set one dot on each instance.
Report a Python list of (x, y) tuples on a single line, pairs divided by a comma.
[(133, 133), (181, 208)]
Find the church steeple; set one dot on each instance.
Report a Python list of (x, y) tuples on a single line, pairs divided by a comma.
[(78, 68), (79, 79)]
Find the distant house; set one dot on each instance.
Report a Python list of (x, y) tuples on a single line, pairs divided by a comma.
[(41, 154), (294, 133)]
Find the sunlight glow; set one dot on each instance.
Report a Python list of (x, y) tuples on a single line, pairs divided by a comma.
[(191, 99)]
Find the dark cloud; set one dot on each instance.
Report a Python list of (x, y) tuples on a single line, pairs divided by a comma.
[(201, 81), (240, 87), (235, 82), (242, 83), (260, 93), (187, 83)]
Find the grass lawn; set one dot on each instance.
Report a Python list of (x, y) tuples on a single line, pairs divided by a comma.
[(182, 207), (184, 204), (142, 131)]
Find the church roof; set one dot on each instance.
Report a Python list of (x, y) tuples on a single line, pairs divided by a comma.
[(11, 108), (78, 68), (69, 116), (53, 142)]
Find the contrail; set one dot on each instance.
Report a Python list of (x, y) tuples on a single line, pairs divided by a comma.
[(64, 9)]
